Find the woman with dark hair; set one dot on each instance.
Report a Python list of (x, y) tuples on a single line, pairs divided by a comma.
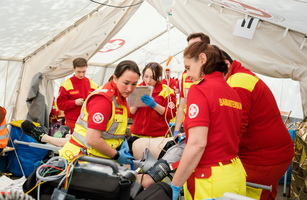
[(209, 165), (153, 120), (101, 126)]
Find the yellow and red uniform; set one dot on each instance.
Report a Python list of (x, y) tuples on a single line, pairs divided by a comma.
[(111, 118), (3, 130), (219, 169), (266, 148), (177, 83), (172, 83), (186, 83), (72, 89), (147, 122)]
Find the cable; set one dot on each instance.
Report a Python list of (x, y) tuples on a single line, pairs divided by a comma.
[(42, 170), (35, 186), (70, 170), (117, 6)]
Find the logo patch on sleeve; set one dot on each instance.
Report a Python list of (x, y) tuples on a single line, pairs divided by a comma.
[(171, 105), (98, 118), (193, 110)]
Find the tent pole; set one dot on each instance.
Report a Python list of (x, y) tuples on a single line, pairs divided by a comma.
[(18, 91), (104, 72), (10, 58)]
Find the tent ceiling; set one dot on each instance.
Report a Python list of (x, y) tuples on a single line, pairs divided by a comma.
[(136, 37), (287, 13), (26, 25), (143, 39)]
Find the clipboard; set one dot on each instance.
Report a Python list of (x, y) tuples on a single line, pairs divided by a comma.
[(134, 100)]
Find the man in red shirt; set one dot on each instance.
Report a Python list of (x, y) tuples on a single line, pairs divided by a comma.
[(168, 80), (186, 83), (74, 91), (266, 148)]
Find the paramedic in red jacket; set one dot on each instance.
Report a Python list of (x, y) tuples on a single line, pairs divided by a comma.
[(74, 91), (101, 126), (153, 120), (186, 83), (266, 148), (168, 80), (209, 165), (3, 129)]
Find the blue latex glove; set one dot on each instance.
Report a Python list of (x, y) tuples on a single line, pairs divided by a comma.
[(125, 146), (149, 101), (176, 133), (176, 191), (124, 158)]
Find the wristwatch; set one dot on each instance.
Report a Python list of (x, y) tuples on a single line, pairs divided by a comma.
[(116, 156)]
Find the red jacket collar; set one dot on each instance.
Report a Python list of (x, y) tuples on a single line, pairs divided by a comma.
[(234, 68), (113, 90)]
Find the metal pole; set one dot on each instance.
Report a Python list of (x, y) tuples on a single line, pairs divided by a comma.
[(255, 185)]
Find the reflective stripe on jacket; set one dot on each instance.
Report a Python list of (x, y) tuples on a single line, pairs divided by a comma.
[(116, 127), (186, 86), (3, 132)]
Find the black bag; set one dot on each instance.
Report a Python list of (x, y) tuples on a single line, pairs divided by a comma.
[(160, 191), (85, 185)]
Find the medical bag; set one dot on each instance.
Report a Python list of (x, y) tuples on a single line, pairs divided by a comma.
[(98, 178)]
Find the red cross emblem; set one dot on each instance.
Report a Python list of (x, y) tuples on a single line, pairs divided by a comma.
[(193, 110), (98, 118), (112, 45), (171, 105)]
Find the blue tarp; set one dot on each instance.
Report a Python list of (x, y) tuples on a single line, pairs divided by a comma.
[(29, 157)]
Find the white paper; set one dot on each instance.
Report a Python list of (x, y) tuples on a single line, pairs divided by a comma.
[(245, 31), (134, 100), (7, 184)]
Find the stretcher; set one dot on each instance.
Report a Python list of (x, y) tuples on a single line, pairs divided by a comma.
[(145, 163), (47, 146)]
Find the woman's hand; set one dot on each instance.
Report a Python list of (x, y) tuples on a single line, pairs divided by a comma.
[(124, 157), (149, 101), (175, 191)]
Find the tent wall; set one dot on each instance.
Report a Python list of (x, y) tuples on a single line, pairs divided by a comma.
[(84, 40), (286, 93), (269, 52), (10, 72)]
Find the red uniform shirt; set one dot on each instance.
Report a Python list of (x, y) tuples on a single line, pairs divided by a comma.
[(147, 122), (177, 83), (99, 104), (172, 83), (264, 138), (220, 112), (81, 88)]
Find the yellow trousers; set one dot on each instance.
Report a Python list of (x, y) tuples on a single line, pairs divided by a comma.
[(213, 182)]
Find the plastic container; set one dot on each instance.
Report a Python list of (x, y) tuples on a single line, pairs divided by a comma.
[(54, 127)]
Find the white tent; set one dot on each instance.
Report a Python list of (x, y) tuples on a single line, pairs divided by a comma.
[(44, 36)]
